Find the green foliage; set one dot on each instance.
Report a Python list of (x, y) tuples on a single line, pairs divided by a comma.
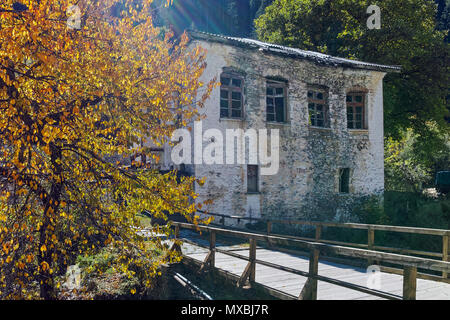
[(101, 262), (411, 163), (398, 209)]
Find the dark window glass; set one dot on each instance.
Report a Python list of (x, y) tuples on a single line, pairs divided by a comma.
[(225, 81), (223, 113), (224, 94), (344, 180), (252, 178), (224, 104), (236, 82), (236, 95)]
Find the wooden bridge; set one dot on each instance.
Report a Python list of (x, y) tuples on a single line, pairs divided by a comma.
[(318, 268)]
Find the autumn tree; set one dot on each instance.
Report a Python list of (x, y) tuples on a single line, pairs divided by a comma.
[(73, 102)]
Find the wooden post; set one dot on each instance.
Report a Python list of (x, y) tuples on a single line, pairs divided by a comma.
[(445, 251), (318, 232), (309, 291), (252, 260), (176, 246), (269, 231), (409, 283), (212, 248), (370, 242), (269, 227), (250, 270)]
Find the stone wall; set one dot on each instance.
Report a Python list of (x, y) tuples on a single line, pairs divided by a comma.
[(306, 186)]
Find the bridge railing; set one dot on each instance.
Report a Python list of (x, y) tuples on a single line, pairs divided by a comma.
[(444, 234), (409, 264)]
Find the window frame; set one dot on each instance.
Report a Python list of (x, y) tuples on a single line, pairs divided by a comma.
[(324, 102), (274, 84), (230, 89), (353, 105)]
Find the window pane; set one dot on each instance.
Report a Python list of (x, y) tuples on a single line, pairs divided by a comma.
[(223, 104), (350, 118), (349, 98), (359, 110), (319, 95), (236, 95), (269, 91), (223, 112), (359, 98), (224, 94), (225, 81), (270, 117), (279, 91), (310, 94), (237, 82), (235, 113), (279, 109), (236, 104), (312, 114)]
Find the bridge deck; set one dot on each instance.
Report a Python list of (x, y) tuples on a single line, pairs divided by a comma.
[(292, 284)]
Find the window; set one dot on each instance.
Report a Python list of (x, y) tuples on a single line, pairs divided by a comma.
[(252, 178), (231, 99), (344, 180), (318, 108), (276, 101), (356, 110)]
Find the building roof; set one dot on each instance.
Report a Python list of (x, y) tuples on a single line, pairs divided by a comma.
[(316, 57)]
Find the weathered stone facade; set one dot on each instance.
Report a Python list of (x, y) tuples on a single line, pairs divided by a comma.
[(307, 183)]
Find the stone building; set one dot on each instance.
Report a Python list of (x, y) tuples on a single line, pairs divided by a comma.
[(329, 115)]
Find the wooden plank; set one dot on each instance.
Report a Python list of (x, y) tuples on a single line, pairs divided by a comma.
[(430, 231), (445, 249), (409, 283), (252, 260), (354, 278), (212, 248), (244, 275), (318, 232), (370, 242), (232, 277), (295, 287), (345, 251), (420, 275)]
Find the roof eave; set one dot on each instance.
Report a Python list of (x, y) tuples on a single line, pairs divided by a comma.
[(222, 39)]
